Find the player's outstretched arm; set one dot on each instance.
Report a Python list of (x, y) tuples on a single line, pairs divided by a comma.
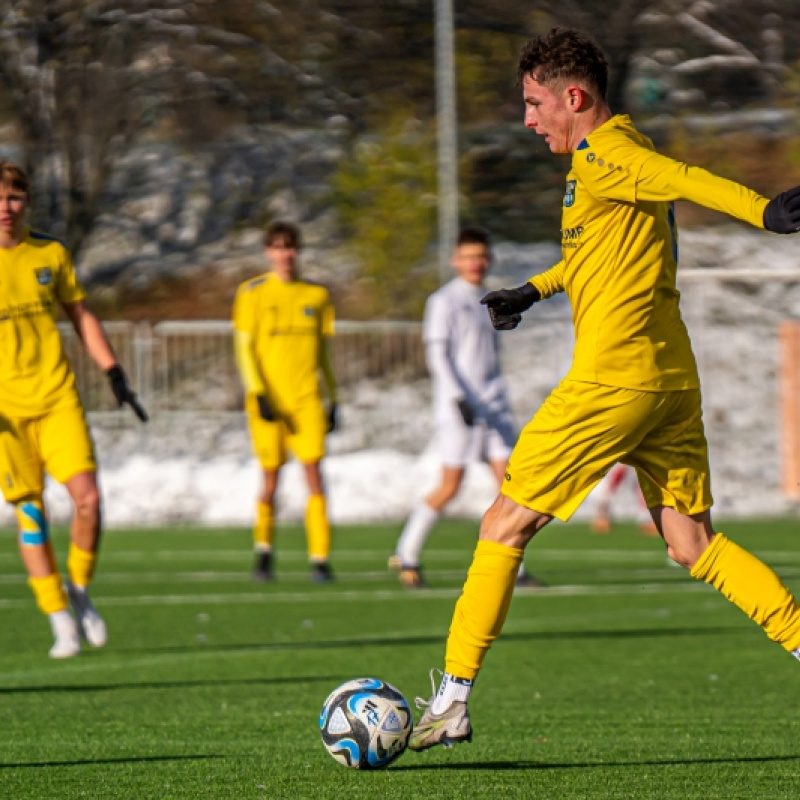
[(506, 306), (782, 214)]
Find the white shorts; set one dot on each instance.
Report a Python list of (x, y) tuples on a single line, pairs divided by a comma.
[(487, 440)]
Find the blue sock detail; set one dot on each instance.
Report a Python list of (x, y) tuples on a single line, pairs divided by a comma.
[(36, 516)]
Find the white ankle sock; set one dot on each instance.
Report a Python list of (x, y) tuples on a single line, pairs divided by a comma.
[(415, 534), (451, 689), (61, 622)]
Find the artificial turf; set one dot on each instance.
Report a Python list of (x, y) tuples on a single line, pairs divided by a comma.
[(624, 678)]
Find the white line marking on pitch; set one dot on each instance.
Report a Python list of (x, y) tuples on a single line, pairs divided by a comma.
[(372, 595)]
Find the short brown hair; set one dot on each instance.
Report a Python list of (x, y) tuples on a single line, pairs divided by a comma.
[(564, 54), (473, 235), (288, 234), (13, 176)]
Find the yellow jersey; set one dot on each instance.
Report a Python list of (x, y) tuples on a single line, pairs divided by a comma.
[(287, 322), (35, 374), (620, 255)]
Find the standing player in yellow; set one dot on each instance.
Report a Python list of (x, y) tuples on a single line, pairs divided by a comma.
[(42, 424), (632, 394), (281, 324)]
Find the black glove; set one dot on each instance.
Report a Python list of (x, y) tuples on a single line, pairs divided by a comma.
[(123, 392), (467, 413), (506, 305), (333, 413), (782, 214), (264, 409)]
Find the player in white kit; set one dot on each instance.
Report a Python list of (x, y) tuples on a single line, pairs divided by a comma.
[(471, 410)]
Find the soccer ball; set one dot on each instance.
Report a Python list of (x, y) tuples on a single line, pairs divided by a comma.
[(365, 723)]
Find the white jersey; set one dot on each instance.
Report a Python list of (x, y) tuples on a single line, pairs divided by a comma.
[(462, 351)]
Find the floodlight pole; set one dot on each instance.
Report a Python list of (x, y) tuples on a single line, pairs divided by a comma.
[(447, 138)]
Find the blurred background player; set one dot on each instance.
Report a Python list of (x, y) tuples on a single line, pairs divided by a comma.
[(607, 490), (470, 404), (281, 324), (42, 422)]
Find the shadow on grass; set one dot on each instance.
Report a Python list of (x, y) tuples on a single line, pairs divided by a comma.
[(113, 687), (393, 641), (544, 765), (82, 762)]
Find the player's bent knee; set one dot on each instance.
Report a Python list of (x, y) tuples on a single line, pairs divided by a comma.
[(508, 523), (33, 528)]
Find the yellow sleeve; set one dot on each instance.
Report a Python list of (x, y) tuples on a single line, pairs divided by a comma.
[(243, 317), (662, 178), (327, 327), (328, 320), (252, 380), (630, 174), (549, 282), (69, 288)]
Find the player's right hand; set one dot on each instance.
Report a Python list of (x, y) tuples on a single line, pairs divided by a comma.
[(264, 409), (506, 305), (467, 412), (782, 214)]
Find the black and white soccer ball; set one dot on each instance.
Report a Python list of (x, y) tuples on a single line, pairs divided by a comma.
[(365, 723)]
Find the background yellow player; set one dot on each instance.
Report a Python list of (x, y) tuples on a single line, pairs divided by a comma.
[(42, 424), (281, 324), (633, 392)]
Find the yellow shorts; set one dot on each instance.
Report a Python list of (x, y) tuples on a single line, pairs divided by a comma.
[(273, 440), (58, 443), (583, 429)]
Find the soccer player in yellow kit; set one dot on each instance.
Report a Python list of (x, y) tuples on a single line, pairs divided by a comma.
[(42, 424), (281, 324), (632, 394)]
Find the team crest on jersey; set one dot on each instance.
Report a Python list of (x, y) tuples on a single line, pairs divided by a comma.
[(44, 276), (308, 311), (569, 195)]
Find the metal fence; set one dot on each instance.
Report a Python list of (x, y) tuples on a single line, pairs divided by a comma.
[(188, 366)]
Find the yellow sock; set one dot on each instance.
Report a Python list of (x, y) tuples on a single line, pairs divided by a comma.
[(264, 527), (481, 610), (318, 529), (49, 593), (80, 565), (754, 587)]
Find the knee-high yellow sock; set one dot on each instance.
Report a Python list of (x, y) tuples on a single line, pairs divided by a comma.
[(481, 610), (80, 565), (318, 528), (752, 586), (49, 593), (264, 527)]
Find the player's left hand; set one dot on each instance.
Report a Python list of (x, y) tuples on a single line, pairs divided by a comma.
[(506, 305), (782, 214), (466, 411), (333, 417), (123, 392)]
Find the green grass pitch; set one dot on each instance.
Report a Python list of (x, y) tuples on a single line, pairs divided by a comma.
[(623, 678)]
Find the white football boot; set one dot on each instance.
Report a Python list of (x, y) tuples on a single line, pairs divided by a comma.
[(449, 728), (67, 639), (90, 623)]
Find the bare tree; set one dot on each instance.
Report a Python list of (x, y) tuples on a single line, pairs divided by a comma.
[(85, 78), (704, 34)]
